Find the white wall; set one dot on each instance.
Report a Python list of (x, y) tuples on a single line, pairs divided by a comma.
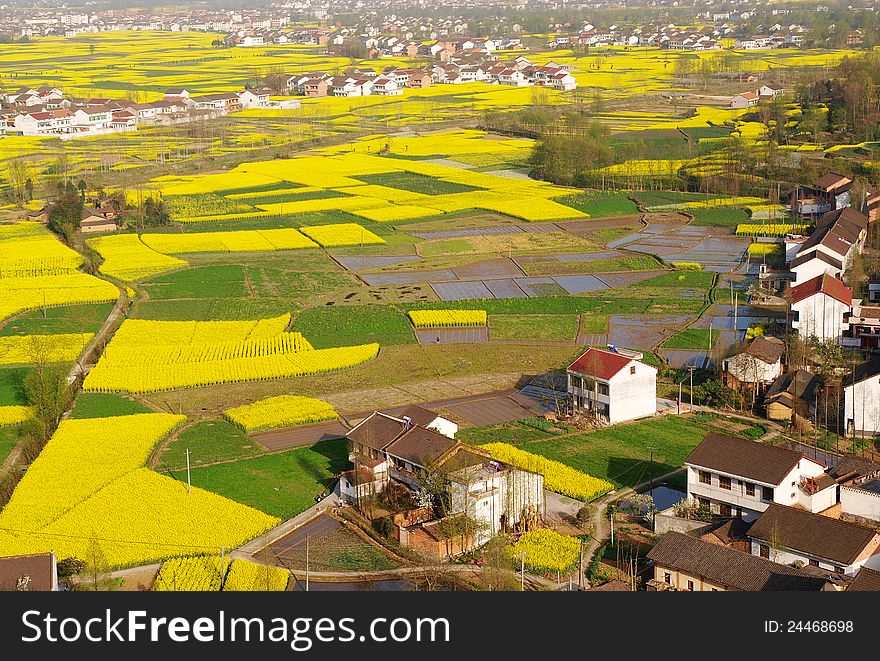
[(820, 315), (789, 556), (812, 269), (444, 426), (632, 396), (859, 502), (861, 404), (749, 369)]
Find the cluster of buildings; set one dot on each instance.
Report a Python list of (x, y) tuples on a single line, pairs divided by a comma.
[(405, 449), (783, 521), (367, 81), (46, 111)]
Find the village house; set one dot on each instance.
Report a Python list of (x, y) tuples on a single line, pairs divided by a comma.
[(770, 91), (864, 326), (792, 536), (95, 220), (839, 235), (872, 205), (614, 386), (867, 580), (316, 87), (383, 86), (254, 98), (683, 563), (29, 573), (388, 449), (744, 100), (737, 477), (829, 192), (755, 366), (791, 396), (819, 308), (859, 485), (861, 398)]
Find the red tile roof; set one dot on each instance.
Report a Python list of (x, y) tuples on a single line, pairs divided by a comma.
[(599, 363), (825, 284)]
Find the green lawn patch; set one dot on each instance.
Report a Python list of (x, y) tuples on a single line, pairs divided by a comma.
[(616, 264), (357, 324), (105, 405), (209, 441), (682, 279), (620, 454), (217, 281), (533, 327), (718, 216), (600, 204), (86, 318), (416, 183), (8, 440), (691, 338), (12, 386), (283, 484), (221, 309), (594, 323), (657, 198)]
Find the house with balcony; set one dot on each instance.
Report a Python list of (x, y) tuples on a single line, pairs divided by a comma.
[(612, 385), (737, 477), (830, 192), (685, 564), (385, 448), (792, 536)]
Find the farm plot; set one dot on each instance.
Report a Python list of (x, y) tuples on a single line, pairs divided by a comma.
[(30, 250), (234, 241), (127, 258), (150, 356), (87, 484), (25, 349)]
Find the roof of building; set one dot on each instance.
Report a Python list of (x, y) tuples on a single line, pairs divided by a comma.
[(420, 446), (766, 349), (420, 416), (731, 569), (30, 573), (800, 384), (816, 254), (866, 370), (822, 284), (867, 580), (831, 180), (763, 463), (600, 363), (812, 534), (851, 467), (376, 431), (730, 530)]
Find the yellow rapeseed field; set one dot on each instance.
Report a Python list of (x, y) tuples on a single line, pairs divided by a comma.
[(20, 294), (247, 576), (14, 415), (235, 241), (341, 234), (440, 318), (150, 356), (24, 349), (126, 257), (280, 411), (87, 487)]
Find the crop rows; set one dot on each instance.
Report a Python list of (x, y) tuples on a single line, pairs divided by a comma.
[(280, 411), (442, 318)]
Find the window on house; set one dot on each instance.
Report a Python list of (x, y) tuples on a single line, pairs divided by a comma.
[(765, 551), (667, 578), (750, 489), (632, 369), (814, 563), (603, 388), (767, 493), (705, 477), (724, 482), (725, 510), (690, 586)]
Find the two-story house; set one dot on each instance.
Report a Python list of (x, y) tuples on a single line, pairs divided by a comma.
[(737, 477), (792, 536), (828, 193), (861, 398), (820, 308), (613, 385)]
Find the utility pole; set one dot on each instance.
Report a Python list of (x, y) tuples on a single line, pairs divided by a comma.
[(188, 480), (691, 369), (307, 563)]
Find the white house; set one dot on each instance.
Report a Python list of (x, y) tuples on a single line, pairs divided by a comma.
[(792, 536), (813, 264), (737, 477), (614, 385), (840, 234), (819, 308), (383, 86), (759, 363), (744, 100), (253, 98), (861, 398), (770, 91)]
